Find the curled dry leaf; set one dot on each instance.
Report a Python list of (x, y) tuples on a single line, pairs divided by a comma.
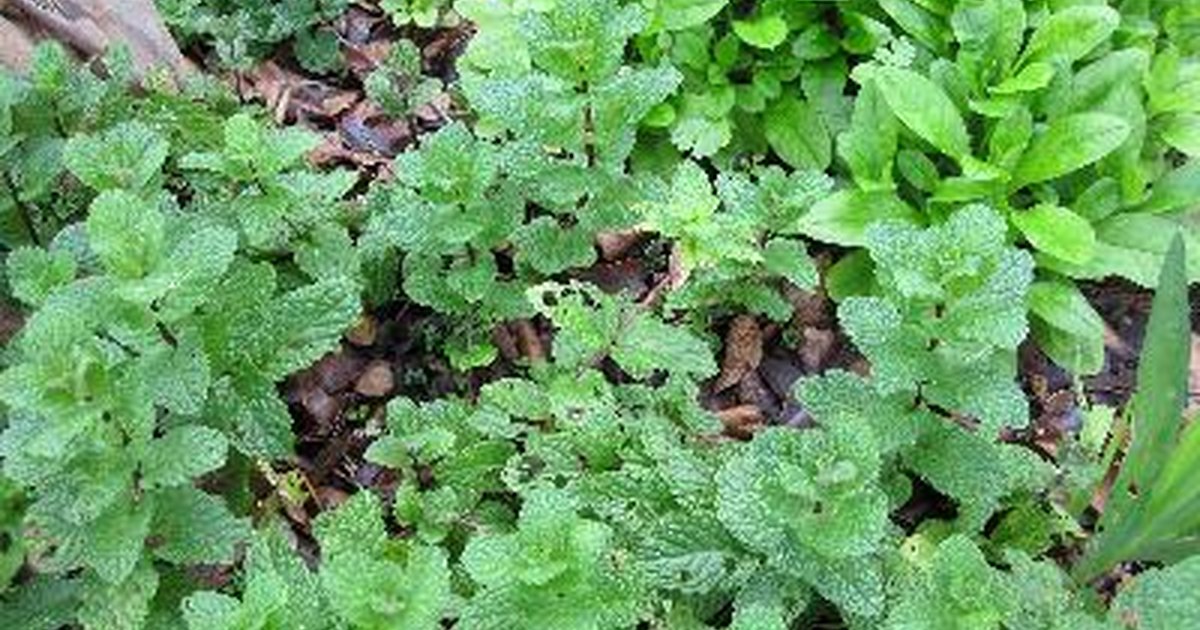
[(377, 381), (743, 352), (741, 421)]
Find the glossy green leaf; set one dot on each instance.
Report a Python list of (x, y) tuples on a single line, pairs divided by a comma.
[(926, 109), (1058, 232), (1069, 144)]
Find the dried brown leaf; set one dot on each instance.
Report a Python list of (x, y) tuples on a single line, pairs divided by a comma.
[(743, 352)]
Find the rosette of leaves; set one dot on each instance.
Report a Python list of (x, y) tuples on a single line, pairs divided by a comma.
[(810, 502), (571, 92), (39, 114), (949, 315), (733, 245), (460, 451), (950, 584), (1036, 114), (450, 216), (557, 569), (768, 77), (259, 183), (365, 580)]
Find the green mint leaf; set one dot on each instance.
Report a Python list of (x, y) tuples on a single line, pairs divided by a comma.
[(34, 273), (182, 455), (128, 156), (647, 345), (194, 527), (789, 259), (1160, 598), (956, 587), (127, 232)]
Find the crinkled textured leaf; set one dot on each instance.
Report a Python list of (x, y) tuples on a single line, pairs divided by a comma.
[(127, 156), (619, 104), (647, 345), (34, 273), (369, 591), (955, 589), (974, 285), (193, 527), (1161, 598), (582, 41), (258, 418), (810, 501), (112, 544), (123, 606), (304, 324), (183, 454), (556, 571), (127, 232), (997, 470)]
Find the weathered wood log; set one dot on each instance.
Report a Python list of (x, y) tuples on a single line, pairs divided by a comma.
[(16, 46), (90, 27)]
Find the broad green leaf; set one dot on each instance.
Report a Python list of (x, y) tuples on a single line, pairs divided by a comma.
[(1070, 34), (127, 232), (990, 34), (677, 15), (763, 31), (1066, 327), (1183, 133), (1068, 145), (1057, 231), (194, 527), (914, 17), (1177, 191), (843, 218), (869, 145), (797, 134), (924, 107), (1162, 372), (1032, 78)]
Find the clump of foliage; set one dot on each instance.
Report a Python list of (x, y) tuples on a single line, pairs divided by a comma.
[(242, 31), (175, 258)]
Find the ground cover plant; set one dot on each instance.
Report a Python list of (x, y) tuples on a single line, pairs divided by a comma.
[(606, 314)]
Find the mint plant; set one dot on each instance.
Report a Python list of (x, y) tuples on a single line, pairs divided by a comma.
[(146, 356), (967, 168), (951, 315), (733, 245)]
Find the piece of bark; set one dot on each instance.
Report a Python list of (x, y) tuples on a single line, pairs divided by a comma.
[(92, 26), (16, 46)]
